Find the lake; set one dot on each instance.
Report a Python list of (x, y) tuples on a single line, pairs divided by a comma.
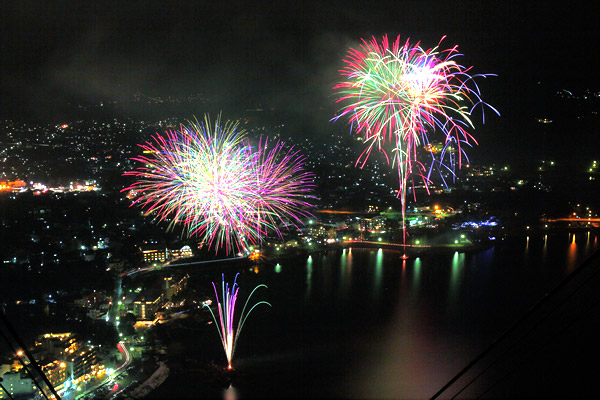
[(364, 323)]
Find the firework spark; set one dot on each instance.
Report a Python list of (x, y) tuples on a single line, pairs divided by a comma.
[(397, 94), (226, 311), (208, 178)]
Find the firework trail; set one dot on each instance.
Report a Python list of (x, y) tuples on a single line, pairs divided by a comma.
[(226, 311), (396, 94), (208, 178)]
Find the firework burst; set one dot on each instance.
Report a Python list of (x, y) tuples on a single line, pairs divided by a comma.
[(397, 94), (209, 179)]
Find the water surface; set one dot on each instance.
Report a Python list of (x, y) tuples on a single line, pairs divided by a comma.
[(365, 323)]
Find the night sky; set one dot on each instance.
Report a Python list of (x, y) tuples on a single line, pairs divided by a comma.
[(283, 54)]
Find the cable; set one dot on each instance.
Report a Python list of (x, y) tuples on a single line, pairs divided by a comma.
[(29, 355), (14, 350), (5, 391), (538, 323), (585, 264), (539, 348)]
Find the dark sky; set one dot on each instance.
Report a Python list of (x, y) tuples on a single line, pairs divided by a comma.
[(284, 54)]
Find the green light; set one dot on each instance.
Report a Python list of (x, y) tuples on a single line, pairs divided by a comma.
[(379, 239), (456, 241), (417, 242), (462, 236)]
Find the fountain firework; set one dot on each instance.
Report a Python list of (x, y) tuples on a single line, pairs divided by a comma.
[(226, 308)]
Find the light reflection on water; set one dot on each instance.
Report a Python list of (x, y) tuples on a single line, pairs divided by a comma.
[(345, 274), (230, 393), (572, 255), (309, 271), (375, 326), (415, 360), (378, 276)]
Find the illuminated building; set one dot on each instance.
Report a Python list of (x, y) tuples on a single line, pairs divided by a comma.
[(13, 186), (52, 346), (438, 147), (63, 357), (153, 254), (168, 287), (56, 372), (374, 224), (318, 230), (185, 251), (146, 309), (18, 384), (171, 289), (83, 364)]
